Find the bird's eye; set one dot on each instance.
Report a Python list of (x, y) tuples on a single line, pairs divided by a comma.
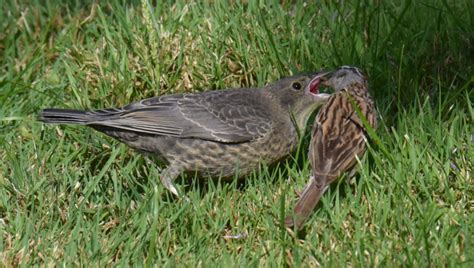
[(296, 85)]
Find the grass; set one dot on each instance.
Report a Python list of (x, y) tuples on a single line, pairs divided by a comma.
[(73, 196)]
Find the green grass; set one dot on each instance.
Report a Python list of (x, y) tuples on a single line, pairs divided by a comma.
[(74, 196)]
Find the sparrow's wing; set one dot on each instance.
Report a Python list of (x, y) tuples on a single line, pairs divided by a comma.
[(230, 116), (337, 138)]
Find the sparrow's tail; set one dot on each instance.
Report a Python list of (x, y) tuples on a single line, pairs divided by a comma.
[(306, 203), (65, 116)]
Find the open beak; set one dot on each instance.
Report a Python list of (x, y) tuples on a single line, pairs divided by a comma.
[(320, 78), (325, 76)]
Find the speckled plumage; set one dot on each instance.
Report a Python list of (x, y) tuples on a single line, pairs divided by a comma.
[(338, 137), (216, 133)]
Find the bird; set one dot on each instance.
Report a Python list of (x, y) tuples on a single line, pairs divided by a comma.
[(219, 133), (338, 137)]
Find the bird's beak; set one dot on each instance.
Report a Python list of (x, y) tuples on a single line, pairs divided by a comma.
[(325, 76), (318, 79)]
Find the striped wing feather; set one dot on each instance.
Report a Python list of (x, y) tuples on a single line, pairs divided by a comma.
[(337, 138), (232, 116)]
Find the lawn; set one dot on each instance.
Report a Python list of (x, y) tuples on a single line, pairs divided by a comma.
[(71, 195)]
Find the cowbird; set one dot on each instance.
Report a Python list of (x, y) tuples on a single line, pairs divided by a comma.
[(220, 133), (338, 137)]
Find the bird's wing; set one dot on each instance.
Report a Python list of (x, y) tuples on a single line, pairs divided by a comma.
[(336, 140), (230, 116)]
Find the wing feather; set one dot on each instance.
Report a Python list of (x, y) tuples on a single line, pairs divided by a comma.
[(232, 116), (336, 139)]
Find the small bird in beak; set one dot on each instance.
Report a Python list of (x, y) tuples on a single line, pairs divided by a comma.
[(338, 137)]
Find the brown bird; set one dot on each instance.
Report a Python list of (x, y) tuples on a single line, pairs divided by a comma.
[(220, 133), (338, 137)]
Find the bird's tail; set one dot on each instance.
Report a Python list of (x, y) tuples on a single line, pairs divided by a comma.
[(64, 116), (306, 203)]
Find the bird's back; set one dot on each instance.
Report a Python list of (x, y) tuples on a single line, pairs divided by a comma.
[(339, 134)]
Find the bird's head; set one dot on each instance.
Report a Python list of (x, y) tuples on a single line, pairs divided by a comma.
[(343, 77), (300, 94)]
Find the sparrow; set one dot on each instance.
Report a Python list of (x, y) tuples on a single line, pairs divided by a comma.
[(219, 133), (338, 137)]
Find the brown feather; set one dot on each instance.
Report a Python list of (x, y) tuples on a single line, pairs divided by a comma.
[(338, 137)]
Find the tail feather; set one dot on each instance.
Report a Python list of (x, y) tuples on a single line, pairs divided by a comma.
[(64, 116), (307, 202)]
